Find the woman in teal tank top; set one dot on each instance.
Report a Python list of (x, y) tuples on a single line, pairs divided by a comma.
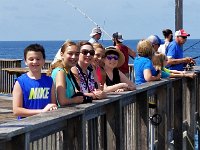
[(62, 76)]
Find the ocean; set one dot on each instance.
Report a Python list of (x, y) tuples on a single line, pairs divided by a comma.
[(14, 49)]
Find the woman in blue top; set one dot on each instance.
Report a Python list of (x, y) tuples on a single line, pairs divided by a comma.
[(33, 93), (62, 76), (143, 67)]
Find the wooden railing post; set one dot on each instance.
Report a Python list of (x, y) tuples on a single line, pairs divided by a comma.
[(189, 108), (170, 114), (114, 126), (162, 102), (73, 134), (178, 114), (142, 120)]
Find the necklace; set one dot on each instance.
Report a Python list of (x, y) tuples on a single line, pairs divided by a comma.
[(66, 70)]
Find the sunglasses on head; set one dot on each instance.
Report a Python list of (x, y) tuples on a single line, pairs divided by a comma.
[(85, 52), (115, 57)]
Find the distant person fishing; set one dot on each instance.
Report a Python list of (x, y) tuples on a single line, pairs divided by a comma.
[(95, 35), (117, 42), (174, 52)]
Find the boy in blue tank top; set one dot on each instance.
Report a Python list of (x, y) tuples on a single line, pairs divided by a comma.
[(33, 92)]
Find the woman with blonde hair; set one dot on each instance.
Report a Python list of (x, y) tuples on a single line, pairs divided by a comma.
[(160, 61), (143, 67)]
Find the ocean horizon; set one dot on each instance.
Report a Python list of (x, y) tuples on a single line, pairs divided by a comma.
[(14, 49)]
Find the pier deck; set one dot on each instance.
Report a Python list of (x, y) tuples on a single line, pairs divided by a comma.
[(6, 114)]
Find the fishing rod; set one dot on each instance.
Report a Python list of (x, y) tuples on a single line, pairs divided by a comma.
[(86, 16), (191, 46), (196, 57)]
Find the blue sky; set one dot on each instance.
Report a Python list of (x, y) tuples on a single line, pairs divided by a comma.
[(57, 20)]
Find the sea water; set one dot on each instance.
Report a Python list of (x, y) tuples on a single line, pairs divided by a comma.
[(14, 49)]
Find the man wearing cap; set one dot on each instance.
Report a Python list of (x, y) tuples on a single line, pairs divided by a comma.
[(155, 41), (95, 35), (174, 52), (117, 39)]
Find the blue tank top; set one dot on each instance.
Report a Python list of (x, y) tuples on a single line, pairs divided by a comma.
[(70, 86), (36, 93)]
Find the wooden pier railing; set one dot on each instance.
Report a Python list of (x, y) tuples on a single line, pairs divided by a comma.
[(119, 122), (7, 80)]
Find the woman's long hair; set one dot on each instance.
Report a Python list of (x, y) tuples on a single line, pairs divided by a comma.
[(59, 62), (158, 60)]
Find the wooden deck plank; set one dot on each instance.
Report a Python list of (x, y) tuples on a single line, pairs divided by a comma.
[(6, 113)]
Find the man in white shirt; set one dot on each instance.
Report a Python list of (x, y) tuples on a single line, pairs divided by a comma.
[(95, 35)]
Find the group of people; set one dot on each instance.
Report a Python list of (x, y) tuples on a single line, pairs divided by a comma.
[(86, 71), (161, 59)]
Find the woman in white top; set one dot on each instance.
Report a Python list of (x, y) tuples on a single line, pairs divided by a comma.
[(168, 35)]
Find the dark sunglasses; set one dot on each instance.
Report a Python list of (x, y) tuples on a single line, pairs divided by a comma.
[(115, 57), (85, 52), (184, 37)]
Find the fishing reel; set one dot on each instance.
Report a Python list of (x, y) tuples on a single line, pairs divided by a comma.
[(189, 66)]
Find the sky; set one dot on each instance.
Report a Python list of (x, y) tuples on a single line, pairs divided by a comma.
[(26, 20)]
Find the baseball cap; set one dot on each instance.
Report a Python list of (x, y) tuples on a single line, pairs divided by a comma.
[(154, 39), (118, 36), (181, 32), (95, 31)]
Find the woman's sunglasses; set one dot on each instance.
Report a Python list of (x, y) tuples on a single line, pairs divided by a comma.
[(115, 57), (85, 52)]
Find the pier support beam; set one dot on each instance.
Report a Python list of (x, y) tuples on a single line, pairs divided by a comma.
[(178, 14)]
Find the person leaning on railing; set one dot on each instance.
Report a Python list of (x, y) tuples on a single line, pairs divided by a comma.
[(160, 61), (143, 67), (85, 75), (63, 77), (33, 92), (98, 63), (116, 81)]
